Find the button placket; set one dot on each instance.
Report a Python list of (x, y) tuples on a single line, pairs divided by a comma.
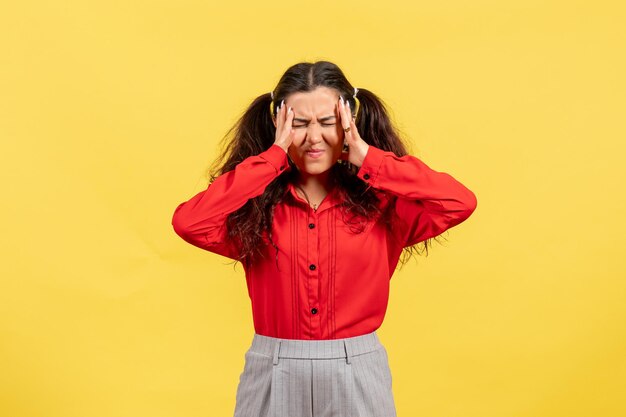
[(313, 271)]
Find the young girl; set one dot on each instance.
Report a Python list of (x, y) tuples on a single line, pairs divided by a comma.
[(318, 199)]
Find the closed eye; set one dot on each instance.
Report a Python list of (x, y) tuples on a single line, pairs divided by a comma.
[(323, 124)]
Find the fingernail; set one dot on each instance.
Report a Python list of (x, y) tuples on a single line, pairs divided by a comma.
[(289, 110), (282, 102)]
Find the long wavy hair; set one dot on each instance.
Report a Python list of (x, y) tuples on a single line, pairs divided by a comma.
[(254, 132)]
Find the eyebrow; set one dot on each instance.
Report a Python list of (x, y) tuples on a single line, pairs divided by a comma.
[(322, 119)]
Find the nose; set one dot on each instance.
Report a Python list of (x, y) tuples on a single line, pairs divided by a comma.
[(314, 133)]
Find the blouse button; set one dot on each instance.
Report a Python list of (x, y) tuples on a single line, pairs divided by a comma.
[(314, 311), (366, 176), (311, 225), (312, 267)]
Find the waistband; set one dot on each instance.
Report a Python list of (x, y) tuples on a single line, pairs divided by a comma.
[(315, 349)]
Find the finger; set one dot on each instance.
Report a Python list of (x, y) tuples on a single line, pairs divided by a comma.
[(279, 116), (353, 130), (343, 118), (349, 135), (288, 129), (289, 120), (342, 112), (349, 115), (339, 111), (291, 135), (354, 135)]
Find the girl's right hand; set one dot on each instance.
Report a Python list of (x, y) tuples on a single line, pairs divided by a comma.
[(284, 130)]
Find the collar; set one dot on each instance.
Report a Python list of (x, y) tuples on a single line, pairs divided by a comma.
[(334, 197)]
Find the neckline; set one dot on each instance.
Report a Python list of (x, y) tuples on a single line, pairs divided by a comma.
[(328, 201), (306, 197)]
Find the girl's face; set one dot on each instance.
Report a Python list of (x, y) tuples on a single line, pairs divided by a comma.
[(318, 137)]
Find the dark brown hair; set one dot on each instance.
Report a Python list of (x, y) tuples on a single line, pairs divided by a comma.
[(254, 132)]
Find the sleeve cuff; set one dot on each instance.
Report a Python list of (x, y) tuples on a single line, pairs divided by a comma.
[(370, 168), (276, 156)]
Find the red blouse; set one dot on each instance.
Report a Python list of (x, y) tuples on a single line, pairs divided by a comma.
[(326, 281)]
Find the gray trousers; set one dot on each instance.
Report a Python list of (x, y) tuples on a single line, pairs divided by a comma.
[(315, 378)]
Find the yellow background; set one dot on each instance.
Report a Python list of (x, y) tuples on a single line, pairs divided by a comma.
[(111, 111)]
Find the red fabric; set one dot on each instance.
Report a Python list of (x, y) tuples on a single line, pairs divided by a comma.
[(344, 276)]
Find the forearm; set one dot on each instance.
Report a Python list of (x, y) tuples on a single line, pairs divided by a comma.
[(200, 219)]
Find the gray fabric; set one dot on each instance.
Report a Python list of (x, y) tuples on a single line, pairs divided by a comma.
[(315, 378)]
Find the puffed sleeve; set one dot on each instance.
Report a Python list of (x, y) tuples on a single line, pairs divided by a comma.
[(427, 202), (201, 221)]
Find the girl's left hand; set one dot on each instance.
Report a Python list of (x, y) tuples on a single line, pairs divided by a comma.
[(357, 147)]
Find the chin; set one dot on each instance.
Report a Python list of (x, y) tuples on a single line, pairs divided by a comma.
[(316, 171)]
